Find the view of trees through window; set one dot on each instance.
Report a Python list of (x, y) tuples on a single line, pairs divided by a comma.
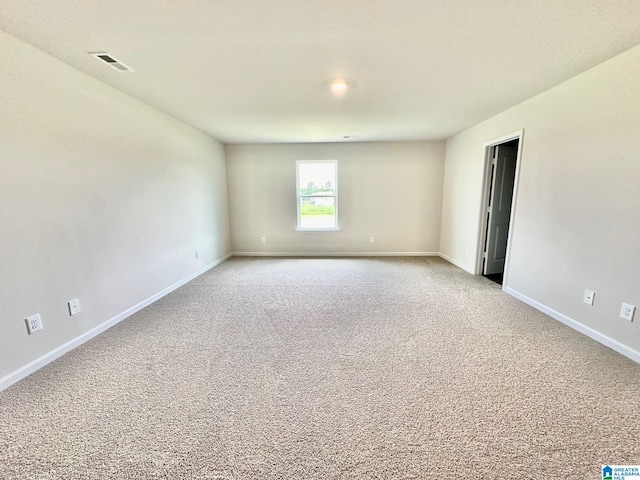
[(317, 195)]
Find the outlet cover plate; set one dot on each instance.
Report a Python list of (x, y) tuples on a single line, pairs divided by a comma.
[(627, 311), (74, 306), (588, 297), (34, 323)]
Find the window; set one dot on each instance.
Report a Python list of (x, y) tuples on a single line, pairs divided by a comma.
[(317, 193)]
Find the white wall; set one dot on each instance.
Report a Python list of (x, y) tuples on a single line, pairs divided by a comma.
[(102, 198), (390, 190), (577, 222)]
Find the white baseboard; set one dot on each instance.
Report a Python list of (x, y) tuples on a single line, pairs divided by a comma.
[(335, 254), (455, 262), (570, 322), (49, 357)]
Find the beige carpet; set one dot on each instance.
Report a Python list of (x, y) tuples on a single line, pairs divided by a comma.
[(368, 368)]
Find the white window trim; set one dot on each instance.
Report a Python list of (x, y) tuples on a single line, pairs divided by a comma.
[(298, 196)]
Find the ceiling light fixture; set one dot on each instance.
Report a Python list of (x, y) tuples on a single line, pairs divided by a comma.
[(339, 86)]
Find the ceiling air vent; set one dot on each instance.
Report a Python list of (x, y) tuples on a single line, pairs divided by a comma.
[(112, 62)]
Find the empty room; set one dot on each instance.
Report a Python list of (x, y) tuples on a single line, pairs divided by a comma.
[(319, 240)]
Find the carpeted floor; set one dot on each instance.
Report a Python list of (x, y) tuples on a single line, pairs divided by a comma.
[(361, 368)]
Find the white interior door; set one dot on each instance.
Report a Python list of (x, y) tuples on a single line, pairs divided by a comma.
[(503, 174)]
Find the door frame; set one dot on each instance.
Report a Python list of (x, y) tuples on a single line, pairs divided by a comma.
[(484, 201)]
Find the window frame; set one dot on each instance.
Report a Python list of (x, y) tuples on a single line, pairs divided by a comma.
[(299, 228)]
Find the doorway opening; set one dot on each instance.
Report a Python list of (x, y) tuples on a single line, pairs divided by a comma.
[(501, 162)]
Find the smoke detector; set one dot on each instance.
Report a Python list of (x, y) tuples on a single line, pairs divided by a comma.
[(111, 61)]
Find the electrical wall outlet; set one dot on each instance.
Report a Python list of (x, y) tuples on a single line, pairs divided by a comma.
[(588, 297), (627, 312), (74, 306), (34, 323), (372, 239), (263, 239), (197, 255)]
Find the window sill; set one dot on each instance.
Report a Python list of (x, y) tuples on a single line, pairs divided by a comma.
[(318, 230)]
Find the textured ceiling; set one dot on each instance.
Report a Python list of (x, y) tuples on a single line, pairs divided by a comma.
[(258, 70)]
